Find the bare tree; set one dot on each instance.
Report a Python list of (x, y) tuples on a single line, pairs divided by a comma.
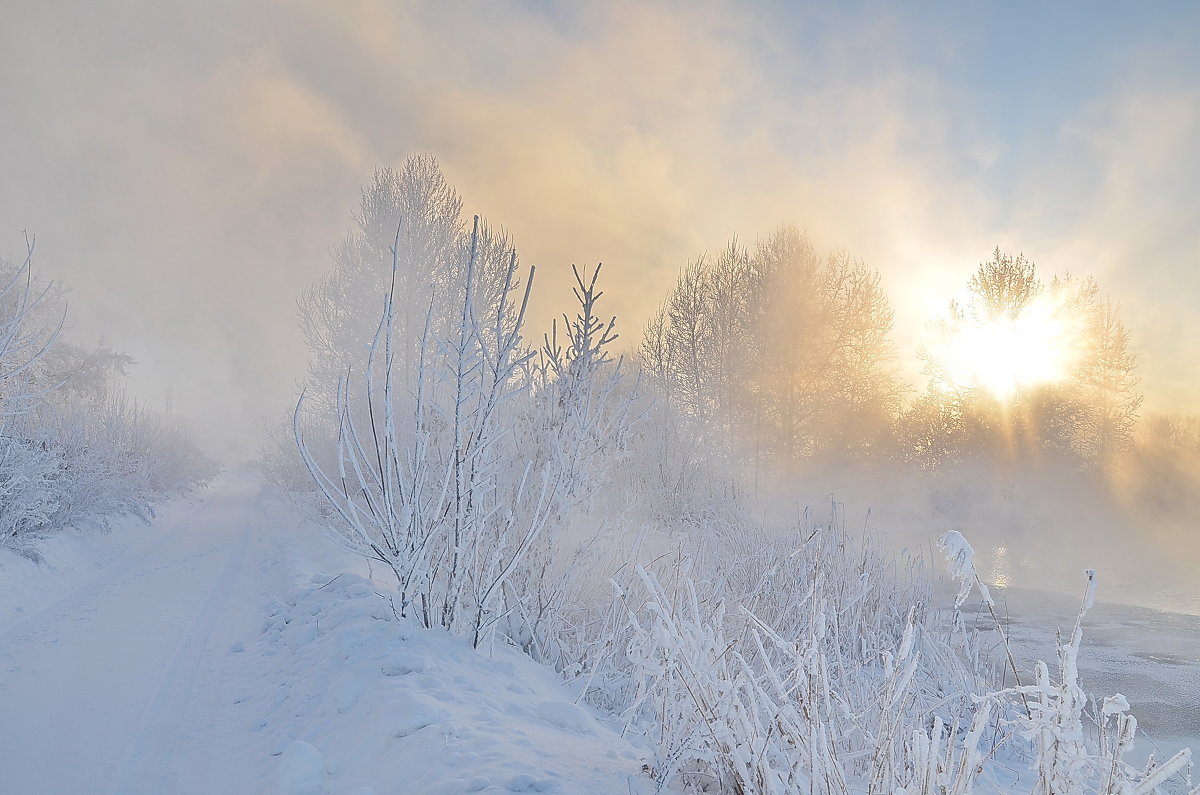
[(1004, 285)]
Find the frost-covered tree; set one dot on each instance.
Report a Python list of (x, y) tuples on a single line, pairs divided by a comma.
[(1023, 367), (452, 452), (1107, 388), (28, 470), (339, 316), (826, 358), (1003, 286), (780, 351), (414, 217), (406, 247)]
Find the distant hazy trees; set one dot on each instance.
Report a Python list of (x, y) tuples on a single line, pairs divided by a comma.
[(1164, 479), (1106, 388), (416, 213), (781, 351)]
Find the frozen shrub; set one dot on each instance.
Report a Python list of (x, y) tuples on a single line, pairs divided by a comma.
[(28, 493)]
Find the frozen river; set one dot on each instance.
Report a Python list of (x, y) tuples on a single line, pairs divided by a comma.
[(1150, 656)]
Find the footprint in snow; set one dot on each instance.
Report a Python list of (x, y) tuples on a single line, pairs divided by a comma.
[(347, 693), (524, 783), (409, 713), (403, 663), (566, 715)]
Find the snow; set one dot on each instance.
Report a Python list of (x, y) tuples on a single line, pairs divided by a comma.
[(566, 716), (301, 770), (228, 649), (961, 559), (402, 663), (1115, 704)]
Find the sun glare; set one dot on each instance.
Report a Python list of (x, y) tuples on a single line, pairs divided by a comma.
[(1007, 354)]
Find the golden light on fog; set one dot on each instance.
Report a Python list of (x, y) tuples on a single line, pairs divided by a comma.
[(1005, 354)]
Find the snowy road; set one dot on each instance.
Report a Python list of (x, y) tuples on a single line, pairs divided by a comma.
[(230, 649), (114, 687)]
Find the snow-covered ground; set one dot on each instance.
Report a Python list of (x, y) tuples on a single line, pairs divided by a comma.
[(231, 648), (228, 649)]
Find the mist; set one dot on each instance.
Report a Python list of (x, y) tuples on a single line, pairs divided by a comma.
[(189, 170)]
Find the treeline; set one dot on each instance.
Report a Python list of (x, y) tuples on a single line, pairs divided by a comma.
[(75, 451), (786, 356)]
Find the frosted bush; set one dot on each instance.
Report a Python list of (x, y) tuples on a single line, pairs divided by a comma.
[(28, 493), (74, 452)]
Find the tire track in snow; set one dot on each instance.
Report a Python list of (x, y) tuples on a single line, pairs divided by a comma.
[(150, 762), (88, 591)]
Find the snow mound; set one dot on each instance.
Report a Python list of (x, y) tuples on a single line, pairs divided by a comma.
[(301, 770), (394, 707), (566, 716)]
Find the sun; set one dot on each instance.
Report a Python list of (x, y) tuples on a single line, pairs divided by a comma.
[(1009, 353)]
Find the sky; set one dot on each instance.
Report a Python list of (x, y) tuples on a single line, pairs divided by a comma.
[(188, 167)]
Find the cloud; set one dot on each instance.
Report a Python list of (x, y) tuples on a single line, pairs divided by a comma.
[(188, 169), (1117, 201)]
